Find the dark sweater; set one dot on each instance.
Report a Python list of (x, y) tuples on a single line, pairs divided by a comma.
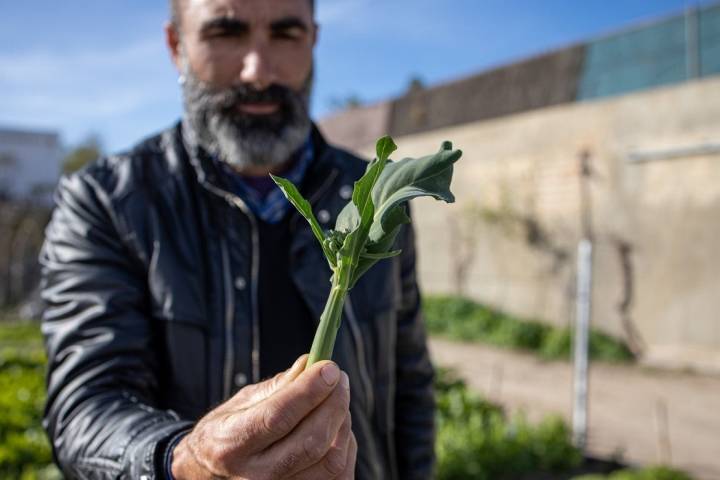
[(286, 324)]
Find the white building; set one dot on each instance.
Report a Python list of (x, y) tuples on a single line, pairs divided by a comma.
[(30, 163)]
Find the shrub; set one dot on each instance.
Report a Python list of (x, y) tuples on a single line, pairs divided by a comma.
[(476, 440), (461, 319)]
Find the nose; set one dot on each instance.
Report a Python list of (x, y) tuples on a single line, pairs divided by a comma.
[(256, 69)]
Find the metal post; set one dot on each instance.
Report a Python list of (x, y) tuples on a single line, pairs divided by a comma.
[(583, 305), (582, 337)]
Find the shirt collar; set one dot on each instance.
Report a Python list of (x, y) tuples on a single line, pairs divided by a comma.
[(272, 206)]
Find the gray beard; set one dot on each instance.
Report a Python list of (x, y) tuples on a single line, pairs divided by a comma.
[(243, 140)]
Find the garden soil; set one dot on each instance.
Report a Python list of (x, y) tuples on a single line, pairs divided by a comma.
[(637, 415)]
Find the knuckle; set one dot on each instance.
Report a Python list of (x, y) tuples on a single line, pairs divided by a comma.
[(340, 414), (218, 456), (345, 396), (284, 466), (314, 450), (340, 403), (335, 461), (276, 420)]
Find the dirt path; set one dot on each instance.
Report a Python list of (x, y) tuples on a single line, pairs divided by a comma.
[(626, 404)]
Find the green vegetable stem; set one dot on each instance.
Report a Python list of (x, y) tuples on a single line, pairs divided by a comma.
[(366, 228)]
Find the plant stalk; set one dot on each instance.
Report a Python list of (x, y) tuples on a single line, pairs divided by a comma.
[(324, 341)]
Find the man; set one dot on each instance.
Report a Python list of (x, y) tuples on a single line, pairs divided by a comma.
[(177, 279)]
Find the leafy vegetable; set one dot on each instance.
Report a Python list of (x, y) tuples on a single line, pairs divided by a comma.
[(366, 228)]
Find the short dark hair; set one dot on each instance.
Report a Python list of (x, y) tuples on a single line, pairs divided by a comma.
[(175, 10)]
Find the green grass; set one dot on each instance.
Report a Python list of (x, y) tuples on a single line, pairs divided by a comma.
[(462, 319)]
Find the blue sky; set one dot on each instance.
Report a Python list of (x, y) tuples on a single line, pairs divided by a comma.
[(100, 66)]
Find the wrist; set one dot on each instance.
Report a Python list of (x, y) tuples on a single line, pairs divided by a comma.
[(174, 458), (179, 460)]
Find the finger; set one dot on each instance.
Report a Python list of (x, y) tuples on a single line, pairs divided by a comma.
[(225, 434), (312, 439), (258, 392), (334, 461), (349, 472), (276, 416)]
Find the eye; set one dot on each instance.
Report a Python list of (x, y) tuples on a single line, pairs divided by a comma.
[(222, 33), (292, 33), (224, 28)]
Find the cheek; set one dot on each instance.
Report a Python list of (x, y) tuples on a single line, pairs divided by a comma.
[(217, 66), (294, 66), (213, 62)]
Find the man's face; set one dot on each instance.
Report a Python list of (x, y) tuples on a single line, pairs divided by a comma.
[(248, 73)]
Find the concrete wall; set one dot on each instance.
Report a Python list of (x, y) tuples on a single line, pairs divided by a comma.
[(510, 239), (357, 127)]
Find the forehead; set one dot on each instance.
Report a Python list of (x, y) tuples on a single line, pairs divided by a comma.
[(252, 11)]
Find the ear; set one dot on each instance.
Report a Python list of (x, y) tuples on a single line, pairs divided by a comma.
[(172, 41)]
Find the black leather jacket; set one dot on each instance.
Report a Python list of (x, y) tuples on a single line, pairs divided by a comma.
[(150, 276)]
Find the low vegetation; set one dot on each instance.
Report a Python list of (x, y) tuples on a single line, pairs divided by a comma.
[(477, 440), (24, 448), (462, 319)]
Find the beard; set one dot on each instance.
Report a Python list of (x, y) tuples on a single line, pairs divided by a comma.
[(244, 140)]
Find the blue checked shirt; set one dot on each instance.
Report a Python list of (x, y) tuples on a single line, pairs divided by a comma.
[(271, 206)]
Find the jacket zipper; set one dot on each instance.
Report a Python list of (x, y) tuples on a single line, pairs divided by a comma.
[(229, 320), (362, 358), (230, 297)]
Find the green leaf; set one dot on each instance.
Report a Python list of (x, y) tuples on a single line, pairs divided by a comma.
[(408, 179), (375, 250), (303, 206), (384, 148), (349, 218), (359, 222), (380, 256)]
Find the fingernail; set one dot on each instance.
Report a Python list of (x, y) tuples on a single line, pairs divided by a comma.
[(345, 381), (330, 374)]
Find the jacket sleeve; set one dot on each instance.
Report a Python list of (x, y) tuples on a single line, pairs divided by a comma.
[(101, 414), (415, 404)]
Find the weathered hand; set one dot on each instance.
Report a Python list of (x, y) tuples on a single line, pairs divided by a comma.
[(294, 426)]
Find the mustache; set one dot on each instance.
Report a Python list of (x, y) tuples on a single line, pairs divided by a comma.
[(228, 98)]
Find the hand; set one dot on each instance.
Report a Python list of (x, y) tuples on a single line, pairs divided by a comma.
[(294, 426)]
